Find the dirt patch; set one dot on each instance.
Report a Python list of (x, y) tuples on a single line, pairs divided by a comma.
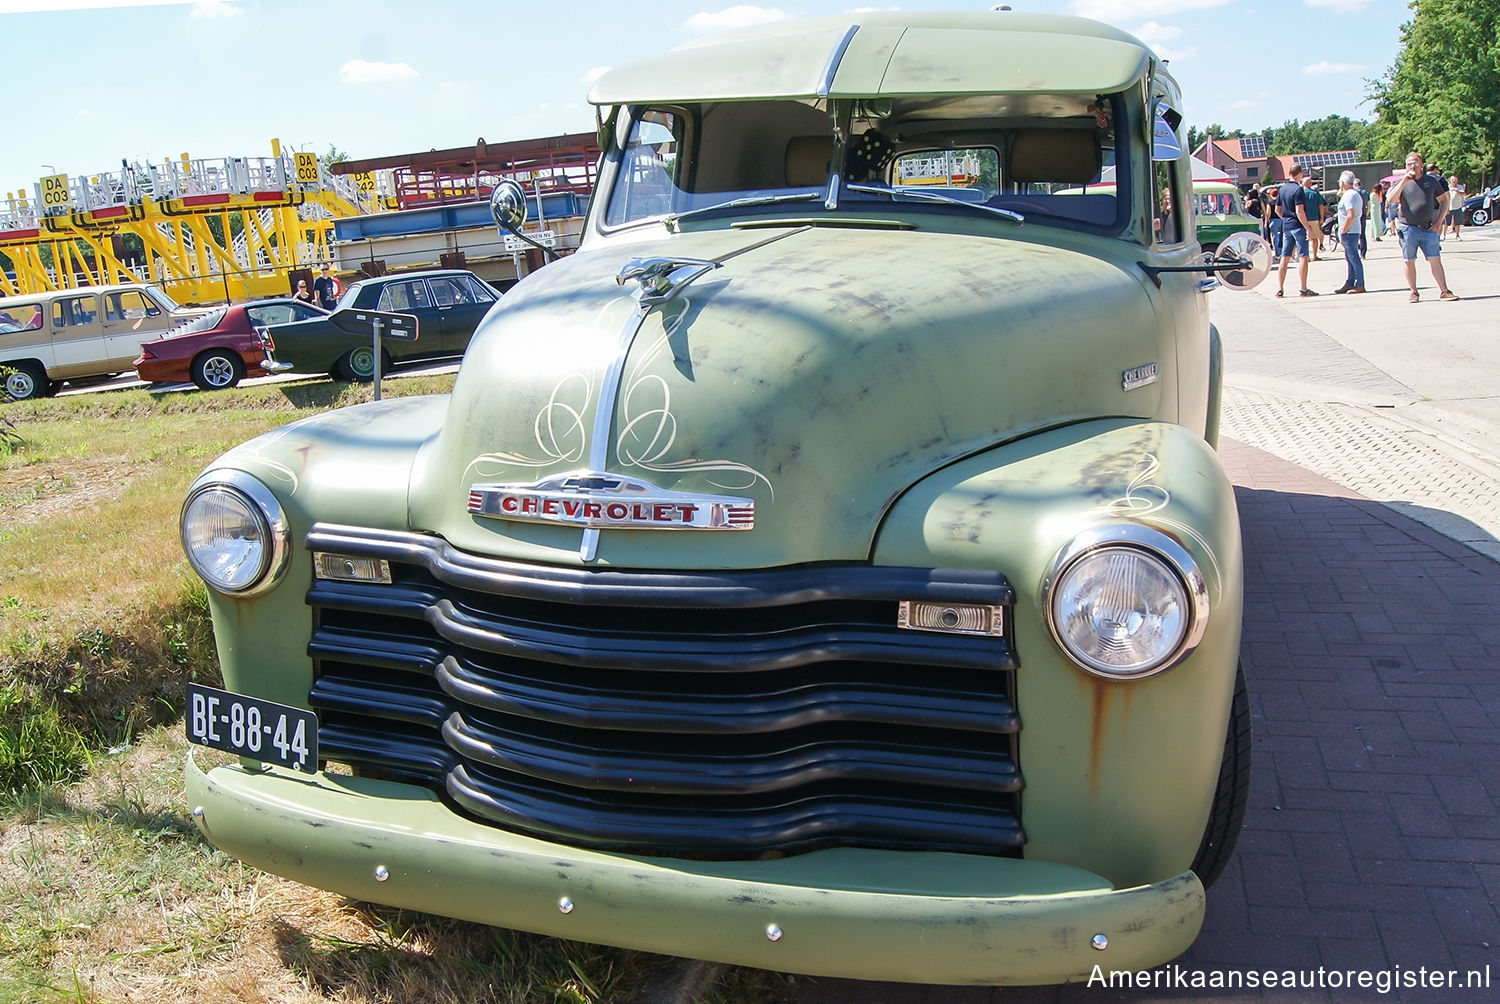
[(37, 492)]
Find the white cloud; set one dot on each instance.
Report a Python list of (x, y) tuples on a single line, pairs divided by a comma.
[(359, 71), (54, 6), (1242, 105), (1115, 11), (1160, 37), (593, 74), (1338, 6), (1327, 69), (738, 16), (206, 9)]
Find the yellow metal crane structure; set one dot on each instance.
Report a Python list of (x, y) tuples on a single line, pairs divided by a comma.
[(203, 230)]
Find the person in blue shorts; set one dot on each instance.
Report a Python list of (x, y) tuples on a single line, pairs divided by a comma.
[(1420, 200), (1294, 228)]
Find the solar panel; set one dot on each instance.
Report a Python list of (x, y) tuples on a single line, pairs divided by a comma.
[(1252, 147)]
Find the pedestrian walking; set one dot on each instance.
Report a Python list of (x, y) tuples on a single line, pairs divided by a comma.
[(1420, 200), (1455, 206), (1350, 208), (1295, 225)]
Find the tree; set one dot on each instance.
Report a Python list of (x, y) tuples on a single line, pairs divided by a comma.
[(1441, 95)]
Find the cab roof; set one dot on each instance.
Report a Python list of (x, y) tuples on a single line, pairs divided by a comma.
[(879, 54)]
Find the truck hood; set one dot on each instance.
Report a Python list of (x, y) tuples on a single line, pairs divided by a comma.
[(817, 372)]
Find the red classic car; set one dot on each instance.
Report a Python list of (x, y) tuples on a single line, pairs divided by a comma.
[(222, 347)]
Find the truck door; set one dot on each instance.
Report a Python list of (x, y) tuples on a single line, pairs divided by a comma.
[(129, 319), (461, 305), (78, 347)]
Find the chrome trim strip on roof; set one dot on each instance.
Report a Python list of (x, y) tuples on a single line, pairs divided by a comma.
[(834, 58)]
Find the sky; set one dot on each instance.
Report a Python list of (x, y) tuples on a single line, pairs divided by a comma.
[(92, 82)]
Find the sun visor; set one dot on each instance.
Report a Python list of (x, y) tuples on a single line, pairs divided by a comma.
[(874, 59)]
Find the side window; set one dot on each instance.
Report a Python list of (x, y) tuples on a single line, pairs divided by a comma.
[(275, 313), (26, 317), (131, 305), (73, 310), (449, 291), (403, 296), (477, 293), (1169, 210)]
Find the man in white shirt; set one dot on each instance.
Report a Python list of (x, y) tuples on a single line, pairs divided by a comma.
[(1351, 207)]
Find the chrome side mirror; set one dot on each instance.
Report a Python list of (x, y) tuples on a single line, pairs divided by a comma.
[(1164, 122), (1252, 255), (508, 206), (508, 209)]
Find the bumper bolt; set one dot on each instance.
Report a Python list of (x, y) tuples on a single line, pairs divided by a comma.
[(565, 905), (382, 873), (197, 812), (773, 932), (1100, 942)]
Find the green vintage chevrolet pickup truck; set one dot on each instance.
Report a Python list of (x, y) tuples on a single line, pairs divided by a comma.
[(827, 568)]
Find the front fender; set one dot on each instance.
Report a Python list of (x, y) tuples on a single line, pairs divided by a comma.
[(1119, 775)]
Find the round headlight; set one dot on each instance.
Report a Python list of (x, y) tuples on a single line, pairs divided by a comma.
[(1126, 602), (234, 533)]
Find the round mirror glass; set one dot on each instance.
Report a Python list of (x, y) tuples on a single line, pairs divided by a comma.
[(508, 206), (1252, 251)]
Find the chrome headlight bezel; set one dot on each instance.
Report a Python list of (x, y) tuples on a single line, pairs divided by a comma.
[(275, 538), (1138, 541)]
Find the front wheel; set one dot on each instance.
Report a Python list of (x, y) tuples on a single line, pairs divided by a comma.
[(26, 381), (218, 369), (1479, 217), (1227, 813)]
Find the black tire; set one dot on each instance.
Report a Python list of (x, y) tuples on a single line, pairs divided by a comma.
[(26, 381), (1227, 814), (218, 369), (357, 364), (1479, 217)]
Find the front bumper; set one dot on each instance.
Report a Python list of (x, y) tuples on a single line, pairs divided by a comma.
[(862, 914)]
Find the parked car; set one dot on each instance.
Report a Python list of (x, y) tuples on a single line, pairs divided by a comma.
[(448, 304), (222, 347), (48, 339), (1480, 209), (817, 571), (1221, 212)]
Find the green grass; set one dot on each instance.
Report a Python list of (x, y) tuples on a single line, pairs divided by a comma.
[(107, 891)]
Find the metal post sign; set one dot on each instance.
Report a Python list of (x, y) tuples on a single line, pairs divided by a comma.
[(376, 324)]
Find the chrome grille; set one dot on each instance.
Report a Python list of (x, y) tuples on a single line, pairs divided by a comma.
[(695, 713)]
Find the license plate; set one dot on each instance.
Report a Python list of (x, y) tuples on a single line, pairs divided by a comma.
[(261, 730)]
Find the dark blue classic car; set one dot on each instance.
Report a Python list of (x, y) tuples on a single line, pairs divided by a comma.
[(448, 304)]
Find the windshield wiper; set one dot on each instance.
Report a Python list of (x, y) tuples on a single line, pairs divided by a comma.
[(670, 221), (921, 196)]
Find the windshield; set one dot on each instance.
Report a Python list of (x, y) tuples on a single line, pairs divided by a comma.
[(1219, 204), (1034, 155)]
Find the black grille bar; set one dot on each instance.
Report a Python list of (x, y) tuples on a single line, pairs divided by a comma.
[(703, 713)]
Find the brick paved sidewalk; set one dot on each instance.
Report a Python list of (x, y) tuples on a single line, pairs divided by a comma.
[(1372, 649)]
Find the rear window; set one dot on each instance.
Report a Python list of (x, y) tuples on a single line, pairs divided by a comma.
[(21, 317)]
